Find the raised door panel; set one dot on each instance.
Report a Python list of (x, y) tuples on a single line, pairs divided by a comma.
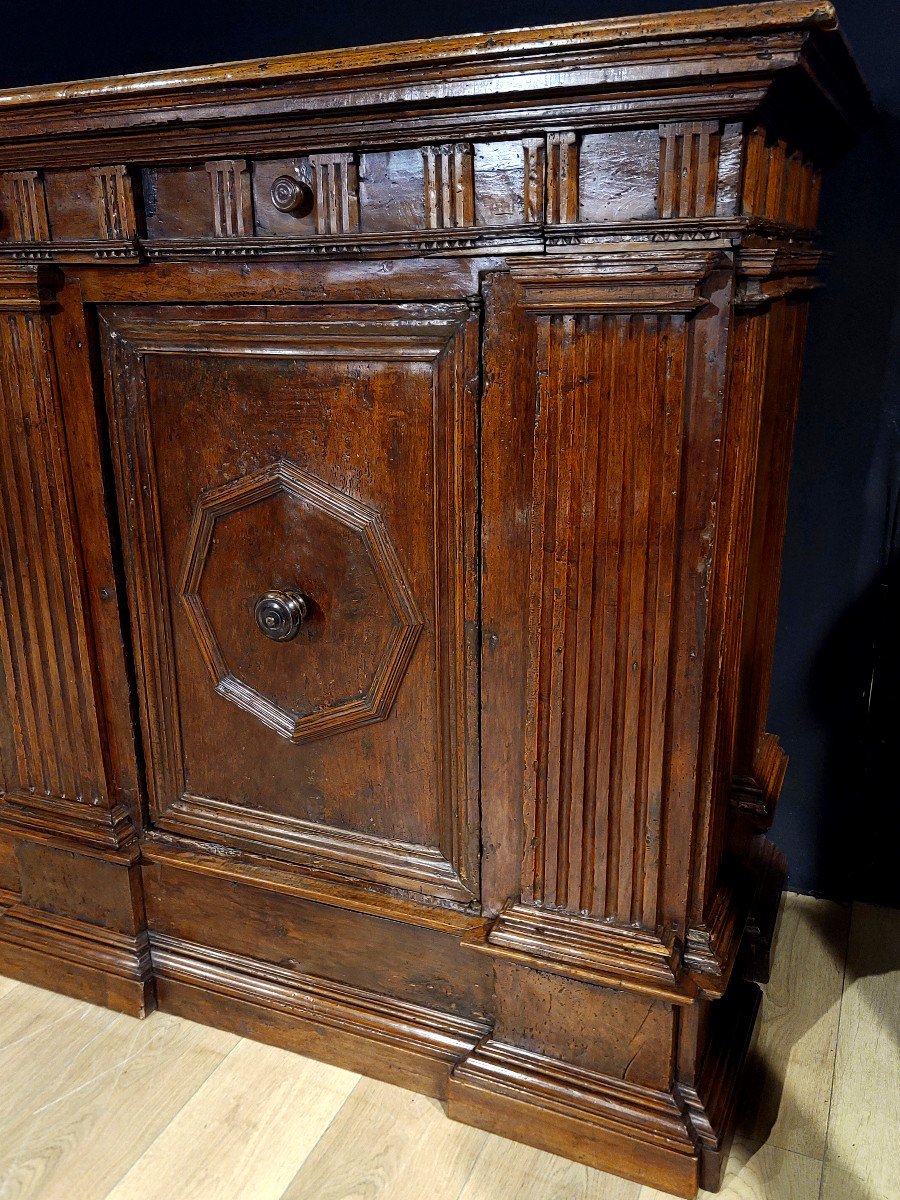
[(328, 451)]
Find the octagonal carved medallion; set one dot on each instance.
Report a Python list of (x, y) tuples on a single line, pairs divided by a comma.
[(377, 638)]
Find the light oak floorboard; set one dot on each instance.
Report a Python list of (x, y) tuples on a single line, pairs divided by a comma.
[(838, 1183), (245, 1131), (392, 1144), (6, 985), (509, 1171), (44, 1039), (862, 1156), (98, 1100), (26, 1011), (791, 1072)]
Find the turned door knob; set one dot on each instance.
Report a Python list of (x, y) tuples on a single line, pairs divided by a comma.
[(290, 195), (280, 613)]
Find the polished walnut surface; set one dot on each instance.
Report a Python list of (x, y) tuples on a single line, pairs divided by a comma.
[(393, 471)]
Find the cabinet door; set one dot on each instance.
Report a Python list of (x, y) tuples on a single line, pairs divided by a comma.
[(271, 460)]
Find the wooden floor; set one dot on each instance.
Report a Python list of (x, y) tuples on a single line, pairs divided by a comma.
[(96, 1105)]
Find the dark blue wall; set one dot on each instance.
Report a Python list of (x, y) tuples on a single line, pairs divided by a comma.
[(836, 689)]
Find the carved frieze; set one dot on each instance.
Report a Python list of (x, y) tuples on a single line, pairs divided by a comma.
[(678, 182)]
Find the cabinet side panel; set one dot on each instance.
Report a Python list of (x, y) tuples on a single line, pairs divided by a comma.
[(748, 764), (745, 391), (778, 419)]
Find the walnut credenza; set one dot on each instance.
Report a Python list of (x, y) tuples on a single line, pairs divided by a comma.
[(394, 446)]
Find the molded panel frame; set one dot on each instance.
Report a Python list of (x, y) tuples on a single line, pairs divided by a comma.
[(444, 335)]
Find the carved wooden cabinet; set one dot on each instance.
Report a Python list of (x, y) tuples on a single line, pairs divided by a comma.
[(393, 465)]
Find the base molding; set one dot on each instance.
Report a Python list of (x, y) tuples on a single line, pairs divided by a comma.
[(92, 829), (676, 1140), (554, 1049), (86, 961), (391, 1039), (712, 1103), (632, 1131), (579, 947), (741, 919)]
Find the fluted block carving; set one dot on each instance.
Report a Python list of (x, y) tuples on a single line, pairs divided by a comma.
[(115, 202), (28, 218), (535, 152), (231, 197), (688, 169), (449, 186), (780, 183), (337, 192), (562, 177)]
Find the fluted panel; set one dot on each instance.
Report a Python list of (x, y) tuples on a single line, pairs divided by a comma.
[(28, 218), (688, 169), (606, 481), (115, 202), (337, 192), (43, 638), (449, 186)]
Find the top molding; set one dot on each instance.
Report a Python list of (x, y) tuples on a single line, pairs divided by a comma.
[(743, 47), (470, 47)]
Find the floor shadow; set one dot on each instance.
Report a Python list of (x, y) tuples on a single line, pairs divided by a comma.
[(764, 1095)]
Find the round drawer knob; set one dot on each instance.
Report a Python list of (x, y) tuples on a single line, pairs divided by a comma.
[(280, 613), (290, 195)]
